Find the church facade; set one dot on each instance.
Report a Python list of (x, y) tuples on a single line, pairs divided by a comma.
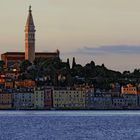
[(11, 58)]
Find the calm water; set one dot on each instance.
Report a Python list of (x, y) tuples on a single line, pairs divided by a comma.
[(71, 125)]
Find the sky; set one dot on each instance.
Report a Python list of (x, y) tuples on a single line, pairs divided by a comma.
[(105, 31)]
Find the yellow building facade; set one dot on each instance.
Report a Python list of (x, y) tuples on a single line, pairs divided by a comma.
[(73, 99), (39, 98)]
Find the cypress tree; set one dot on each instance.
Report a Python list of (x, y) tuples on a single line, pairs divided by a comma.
[(73, 63), (68, 63)]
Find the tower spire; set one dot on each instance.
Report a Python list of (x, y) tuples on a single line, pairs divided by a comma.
[(30, 37), (30, 21), (30, 8)]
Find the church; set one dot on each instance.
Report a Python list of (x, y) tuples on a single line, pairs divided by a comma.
[(11, 58)]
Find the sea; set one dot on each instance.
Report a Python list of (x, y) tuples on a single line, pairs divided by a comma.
[(69, 125)]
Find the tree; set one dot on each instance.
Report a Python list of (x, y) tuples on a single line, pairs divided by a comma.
[(68, 63), (92, 64), (73, 63), (24, 65), (1, 65)]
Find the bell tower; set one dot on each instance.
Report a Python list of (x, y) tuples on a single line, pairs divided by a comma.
[(30, 38)]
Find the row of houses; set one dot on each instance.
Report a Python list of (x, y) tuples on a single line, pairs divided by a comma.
[(42, 98), (66, 98), (16, 94)]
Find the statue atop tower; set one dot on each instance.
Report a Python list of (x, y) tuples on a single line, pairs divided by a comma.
[(30, 38)]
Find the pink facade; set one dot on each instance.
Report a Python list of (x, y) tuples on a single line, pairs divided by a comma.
[(48, 101)]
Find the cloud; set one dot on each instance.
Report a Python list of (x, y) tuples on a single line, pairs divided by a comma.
[(110, 49)]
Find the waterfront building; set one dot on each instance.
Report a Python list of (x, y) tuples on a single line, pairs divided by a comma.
[(126, 101), (15, 58), (39, 98), (129, 89), (23, 99), (119, 103), (48, 98), (131, 100), (68, 99), (5, 101), (89, 100), (102, 101)]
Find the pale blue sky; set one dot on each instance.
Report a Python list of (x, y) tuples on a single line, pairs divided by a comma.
[(81, 28)]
